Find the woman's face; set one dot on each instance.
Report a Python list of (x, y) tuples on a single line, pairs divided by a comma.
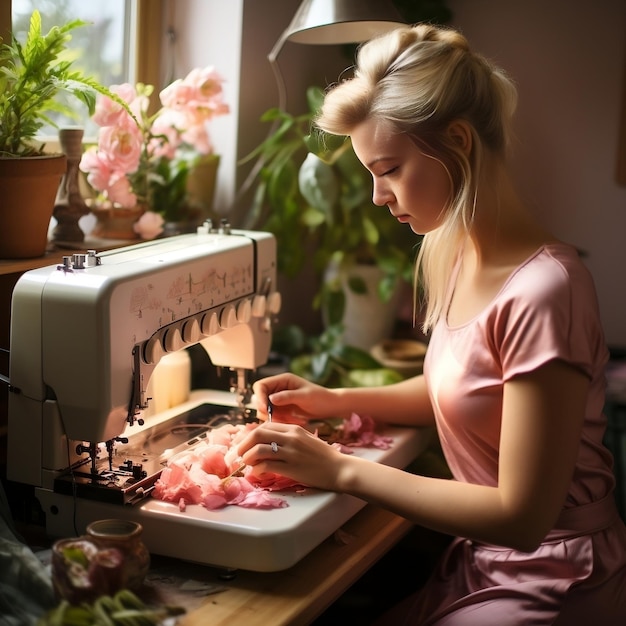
[(415, 187)]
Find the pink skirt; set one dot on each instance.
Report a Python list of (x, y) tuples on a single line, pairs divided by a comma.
[(577, 577)]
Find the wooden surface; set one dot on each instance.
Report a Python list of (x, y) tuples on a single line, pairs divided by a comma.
[(18, 266), (300, 594), (56, 253)]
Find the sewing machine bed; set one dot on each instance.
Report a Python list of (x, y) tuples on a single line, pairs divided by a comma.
[(235, 537)]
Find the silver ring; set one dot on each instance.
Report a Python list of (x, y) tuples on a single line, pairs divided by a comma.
[(274, 446)]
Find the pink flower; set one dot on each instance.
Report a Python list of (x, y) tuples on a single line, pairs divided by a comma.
[(97, 169), (176, 95), (120, 147), (200, 94), (149, 225), (207, 81), (119, 191), (166, 134), (146, 158), (198, 138)]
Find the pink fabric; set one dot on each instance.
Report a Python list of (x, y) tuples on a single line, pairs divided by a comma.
[(547, 309)]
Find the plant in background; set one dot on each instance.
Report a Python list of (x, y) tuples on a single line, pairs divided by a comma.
[(312, 188), (146, 159), (32, 75)]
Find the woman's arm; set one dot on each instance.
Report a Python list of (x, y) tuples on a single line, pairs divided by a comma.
[(403, 403), (543, 412)]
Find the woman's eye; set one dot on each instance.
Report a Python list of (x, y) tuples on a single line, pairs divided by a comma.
[(390, 171)]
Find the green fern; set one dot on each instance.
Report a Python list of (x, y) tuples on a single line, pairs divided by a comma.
[(32, 75)]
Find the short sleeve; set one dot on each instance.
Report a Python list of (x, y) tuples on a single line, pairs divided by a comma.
[(548, 311)]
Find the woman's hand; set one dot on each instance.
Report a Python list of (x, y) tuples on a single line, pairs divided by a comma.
[(294, 452), (292, 396)]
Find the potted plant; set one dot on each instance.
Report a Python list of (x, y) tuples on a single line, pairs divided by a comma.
[(316, 197), (32, 75), (162, 163)]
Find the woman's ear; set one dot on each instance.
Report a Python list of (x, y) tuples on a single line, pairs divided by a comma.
[(459, 132)]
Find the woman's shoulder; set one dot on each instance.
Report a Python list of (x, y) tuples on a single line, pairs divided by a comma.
[(549, 308), (554, 282), (553, 266)]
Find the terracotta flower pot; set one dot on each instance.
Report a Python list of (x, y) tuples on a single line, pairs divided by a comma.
[(116, 222), (28, 188)]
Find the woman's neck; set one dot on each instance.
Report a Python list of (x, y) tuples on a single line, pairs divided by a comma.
[(504, 231)]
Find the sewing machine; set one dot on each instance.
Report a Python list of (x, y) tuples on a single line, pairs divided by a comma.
[(87, 337)]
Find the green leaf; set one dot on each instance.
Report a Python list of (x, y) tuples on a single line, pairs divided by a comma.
[(357, 285), (321, 367), (373, 377), (318, 184), (352, 357), (313, 218), (76, 555), (387, 287), (289, 340), (333, 304), (315, 98)]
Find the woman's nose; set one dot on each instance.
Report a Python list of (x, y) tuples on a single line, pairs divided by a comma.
[(380, 194)]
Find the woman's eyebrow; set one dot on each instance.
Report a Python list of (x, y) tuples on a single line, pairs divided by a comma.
[(378, 160)]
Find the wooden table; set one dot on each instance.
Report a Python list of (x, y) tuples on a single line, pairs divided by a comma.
[(300, 594)]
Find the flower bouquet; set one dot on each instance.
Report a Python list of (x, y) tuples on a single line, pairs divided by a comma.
[(142, 162)]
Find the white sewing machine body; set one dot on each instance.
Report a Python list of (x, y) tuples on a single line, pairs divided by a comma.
[(86, 338)]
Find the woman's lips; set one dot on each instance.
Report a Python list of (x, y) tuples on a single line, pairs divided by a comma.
[(403, 218)]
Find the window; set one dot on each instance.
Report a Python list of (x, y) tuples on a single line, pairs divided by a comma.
[(120, 44)]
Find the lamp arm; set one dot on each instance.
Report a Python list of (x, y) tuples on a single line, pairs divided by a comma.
[(272, 57)]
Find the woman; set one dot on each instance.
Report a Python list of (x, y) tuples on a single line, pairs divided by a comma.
[(514, 374)]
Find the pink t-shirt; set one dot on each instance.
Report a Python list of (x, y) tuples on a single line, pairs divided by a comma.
[(546, 310)]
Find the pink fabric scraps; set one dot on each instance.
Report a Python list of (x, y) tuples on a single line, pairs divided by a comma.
[(360, 432), (202, 474)]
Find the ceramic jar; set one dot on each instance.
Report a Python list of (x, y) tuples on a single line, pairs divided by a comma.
[(126, 536)]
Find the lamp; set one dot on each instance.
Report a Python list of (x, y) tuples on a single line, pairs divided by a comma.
[(341, 21), (334, 22)]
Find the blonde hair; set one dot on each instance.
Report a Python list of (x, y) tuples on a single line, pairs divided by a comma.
[(420, 79)]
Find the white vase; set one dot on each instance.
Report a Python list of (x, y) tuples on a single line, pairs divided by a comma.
[(367, 320)]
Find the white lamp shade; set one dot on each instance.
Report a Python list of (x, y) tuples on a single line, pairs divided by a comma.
[(342, 21)]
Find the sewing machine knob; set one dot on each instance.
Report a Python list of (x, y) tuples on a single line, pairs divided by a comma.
[(191, 331), (153, 350), (173, 340), (274, 302), (78, 261), (209, 324), (244, 311), (258, 306), (228, 317)]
